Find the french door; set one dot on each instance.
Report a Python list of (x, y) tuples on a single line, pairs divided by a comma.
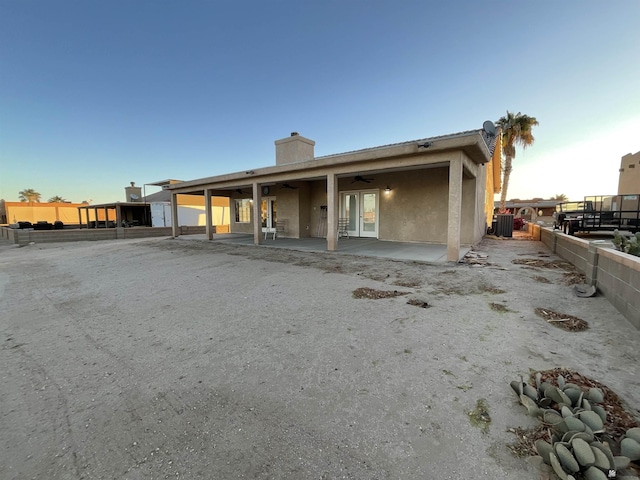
[(268, 209), (361, 209)]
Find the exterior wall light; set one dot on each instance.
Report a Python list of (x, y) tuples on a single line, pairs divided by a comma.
[(387, 190)]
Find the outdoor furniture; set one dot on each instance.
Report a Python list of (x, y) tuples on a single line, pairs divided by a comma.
[(279, 229), (267, 231), (42, 225), (343, 227)]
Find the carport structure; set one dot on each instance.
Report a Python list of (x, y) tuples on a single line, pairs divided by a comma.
[(116, 214), (433, 190)]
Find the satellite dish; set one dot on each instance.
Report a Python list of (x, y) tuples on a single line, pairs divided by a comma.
[(134, 196), (489, 128)]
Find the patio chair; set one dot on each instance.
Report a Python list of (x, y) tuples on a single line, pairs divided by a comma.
[(281, 227), (343, 227)]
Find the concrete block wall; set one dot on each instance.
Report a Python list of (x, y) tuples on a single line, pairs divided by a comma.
[(574, 250), (616, 275), (618, 278), (24, 237), (144, 232), (193, 230)]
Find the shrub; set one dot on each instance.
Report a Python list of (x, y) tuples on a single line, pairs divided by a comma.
[(518, 223)]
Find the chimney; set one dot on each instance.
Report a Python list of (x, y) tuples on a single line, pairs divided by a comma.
[(133, 193), (294, 149)]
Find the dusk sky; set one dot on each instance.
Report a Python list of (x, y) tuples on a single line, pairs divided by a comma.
[(97, 94)]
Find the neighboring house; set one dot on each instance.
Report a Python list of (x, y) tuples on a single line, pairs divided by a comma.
[(531, 210), (629, 182), (434, 190), (191, 210), (154, 210)]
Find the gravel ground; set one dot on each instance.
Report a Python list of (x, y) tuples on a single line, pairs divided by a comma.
[(152, 359)]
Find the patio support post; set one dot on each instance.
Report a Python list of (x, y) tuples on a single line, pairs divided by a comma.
[(174, 215), (80, 217), (208, 216), (454, 214), (106, 217), (332, 212), (257, 214), (118, 216), (95, 217)]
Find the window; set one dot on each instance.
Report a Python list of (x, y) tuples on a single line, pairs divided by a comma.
[(243, 210)]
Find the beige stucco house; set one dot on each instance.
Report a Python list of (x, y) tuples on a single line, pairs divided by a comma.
[(434, 190), (629, 181)]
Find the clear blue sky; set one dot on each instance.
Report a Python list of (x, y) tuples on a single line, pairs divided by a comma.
[(96, 94)]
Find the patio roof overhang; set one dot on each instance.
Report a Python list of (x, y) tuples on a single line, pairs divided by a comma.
[(397, 157)]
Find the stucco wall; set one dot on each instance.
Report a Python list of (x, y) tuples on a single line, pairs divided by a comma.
[(49, 212), (417, 206), (288, 210), (469, 214), (304, 219), (415, 210), (317, 198), (629, 180)]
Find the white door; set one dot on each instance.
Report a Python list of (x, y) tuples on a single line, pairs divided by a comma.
[(361, 209)]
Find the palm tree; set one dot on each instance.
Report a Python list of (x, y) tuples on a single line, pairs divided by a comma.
[(56, 199), (29, 195), (561, 197), (516, 130)]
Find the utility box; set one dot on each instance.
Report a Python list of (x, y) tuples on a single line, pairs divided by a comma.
[(504, 225)]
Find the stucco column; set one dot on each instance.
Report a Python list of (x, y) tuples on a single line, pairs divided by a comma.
[(80, 217), (208, 216), (332, 212), (257, 214), (174, 215), (118, 216), (454, 214)]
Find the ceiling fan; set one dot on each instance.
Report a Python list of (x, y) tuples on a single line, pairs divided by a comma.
[(291, 187), (360, 178)]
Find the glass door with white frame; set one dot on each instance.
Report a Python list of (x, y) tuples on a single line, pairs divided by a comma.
[(360, 208), (268, 209)]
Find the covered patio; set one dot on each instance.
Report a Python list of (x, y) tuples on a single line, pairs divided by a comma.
[(431, 192), (112, 215)]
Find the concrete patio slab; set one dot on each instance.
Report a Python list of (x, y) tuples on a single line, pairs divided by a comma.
[(366, 247)]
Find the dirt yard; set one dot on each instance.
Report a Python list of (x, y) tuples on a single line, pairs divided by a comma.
[(153, 359)]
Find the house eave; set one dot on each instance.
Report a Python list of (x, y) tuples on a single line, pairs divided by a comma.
[(471, 143)]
